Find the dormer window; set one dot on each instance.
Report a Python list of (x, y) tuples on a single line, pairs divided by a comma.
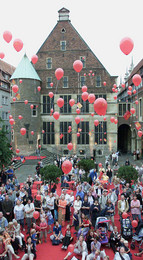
[(63, 45)]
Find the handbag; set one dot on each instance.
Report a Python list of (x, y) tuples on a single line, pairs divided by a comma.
[(55, 242)]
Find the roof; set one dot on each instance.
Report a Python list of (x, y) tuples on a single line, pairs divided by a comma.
[(63, 10), (136, 69), (7, 69), (25, 70)]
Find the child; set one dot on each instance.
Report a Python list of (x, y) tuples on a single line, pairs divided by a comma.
[(127, 250), (37, 228), (67, 238), (50, 219), (76, 220), (33, 237), (43, 228), (102, 233)]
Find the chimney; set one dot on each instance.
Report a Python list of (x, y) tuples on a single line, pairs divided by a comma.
[(63, 14)]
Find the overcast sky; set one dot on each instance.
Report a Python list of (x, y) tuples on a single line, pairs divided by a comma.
[(102, 24)]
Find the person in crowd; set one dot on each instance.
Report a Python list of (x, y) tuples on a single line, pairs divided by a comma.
[(112, 196), (89, 239), (33, 234), (109, 212), (62, 209), (85, 206), (19, 213), (85, 187), (29, 210), (92, 176), (50, 219), (121, 254), (3, 251), (95, 245), (8, 246), (109, 173), (3, 221), (77, 204), (75, 221), (80, 248), (84, 224), (30, 252), (127, 162), (67, 238), (115, 239), (123, 206), (64, 184), (57, 233), (135, 208), (115, 168), (56, 202), (17, 233), (7, 207), (50, 202), (67, 198), (94, 211), (103, 200)]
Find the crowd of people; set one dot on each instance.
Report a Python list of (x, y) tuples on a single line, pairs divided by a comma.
[(81, 215)]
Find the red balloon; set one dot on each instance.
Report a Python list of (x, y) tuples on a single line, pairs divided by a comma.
[(52, 110), (26, 101), (70, 127), (91, 98), (2, 55), (17, 151), (96, 122), (140, 133), (14, 99), (59, 73), (32, 132), (78, 111), (39, 145), (130, 88), (15, 88), (84, 89), (100, 165), (100, 106), (43, 131), (60, 102), (136, 102), (23, 131), (70, 248), (11, 121), (7, 36), (51, 84), (66, 166), (112, 119), (136, 79), (116, 90), (84, 96), (51, 94), (115, 97), (93, 74), (115, 121), (10, 116), (20, 81), (31, 106), (124, 215), (20, 117), (38, 197), (129, 92), (77, 65), (134, 91), (56, 115), (104, 83), (92, 114), (70, 146), (18, 45), (34, 59), (71, 102), (36, 214), (113, 89), (104, 118), (114, 86), (39, 88), (134, 223), (126, 45), (123, 85), (132, 110), (84, 74), (78, 134), (77, 120)]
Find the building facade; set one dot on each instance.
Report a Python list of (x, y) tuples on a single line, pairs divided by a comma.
[(6, 70), (128, 139), (62, 47)]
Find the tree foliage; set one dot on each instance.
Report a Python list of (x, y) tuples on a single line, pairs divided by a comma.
[(86, 165), (51, 173), (128, 173), (5, 148)]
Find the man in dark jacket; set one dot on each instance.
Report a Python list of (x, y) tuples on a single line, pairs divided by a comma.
[(7, 207)]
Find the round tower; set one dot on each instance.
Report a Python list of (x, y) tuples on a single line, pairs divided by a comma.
[(28, 81)]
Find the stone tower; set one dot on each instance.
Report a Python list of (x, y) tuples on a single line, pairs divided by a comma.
[(27, 80)]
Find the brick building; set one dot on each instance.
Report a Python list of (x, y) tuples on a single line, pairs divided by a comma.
[(6, 70), (128, 139), (62, 47)]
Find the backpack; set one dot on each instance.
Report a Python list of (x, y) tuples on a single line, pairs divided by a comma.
[(126, 228)]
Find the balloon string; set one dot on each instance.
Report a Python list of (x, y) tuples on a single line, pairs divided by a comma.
[(78, 100)]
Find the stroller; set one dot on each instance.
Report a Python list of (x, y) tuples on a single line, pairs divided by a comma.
[(102, 226), (138, 237), (126, 229)]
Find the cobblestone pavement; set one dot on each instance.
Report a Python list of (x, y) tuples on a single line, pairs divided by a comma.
[(25, 170)]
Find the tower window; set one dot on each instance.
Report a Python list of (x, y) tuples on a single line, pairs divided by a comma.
[(98, 81), (34, 111), (49, 63), (65, 82), (63, 45)]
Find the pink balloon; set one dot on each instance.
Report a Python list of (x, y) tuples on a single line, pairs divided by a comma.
[(60, 102), (51, 84), (115, 97), (77, 120), (91, 98), (136, 79), (140, 133), (100, 106), (134, 223), (134, 91), (31, 106), (114, 86), (132, 110), (96, 122), (100, 165), (14, 99), (84, 96), (126, 45), (78, 111), (66, 166), (39, 88), (10, 116), (115, 121), (15, 88), (84, 89), (130, 88), (70, 146), (11, 121), (43, 131), (104, 83), (136, 102), (104, 118), (51, 94), (129, 92), (34, 59), (2, 55), (123, 85), (18, 45), (112, 119), (59, 73), (92, 114), (23, 131), (7, 36), (71, 102), (20, 81), (36, 214), (77, 65), (20, 117), (56, 115), (78, 134), (17, 151), (26, 101), (32, 132)]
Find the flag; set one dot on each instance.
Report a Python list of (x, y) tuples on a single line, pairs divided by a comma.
[(137, 125), (127, 115), (79, 105)]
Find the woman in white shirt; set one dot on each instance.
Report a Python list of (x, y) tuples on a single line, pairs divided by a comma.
[(77, 204), (121, 254)]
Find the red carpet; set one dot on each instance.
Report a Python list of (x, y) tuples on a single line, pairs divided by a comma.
[(30, 158), (46, 251)]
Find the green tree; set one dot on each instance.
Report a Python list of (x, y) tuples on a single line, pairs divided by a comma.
[(128, 173), (86, 165), (51, 173), (5, 148)]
